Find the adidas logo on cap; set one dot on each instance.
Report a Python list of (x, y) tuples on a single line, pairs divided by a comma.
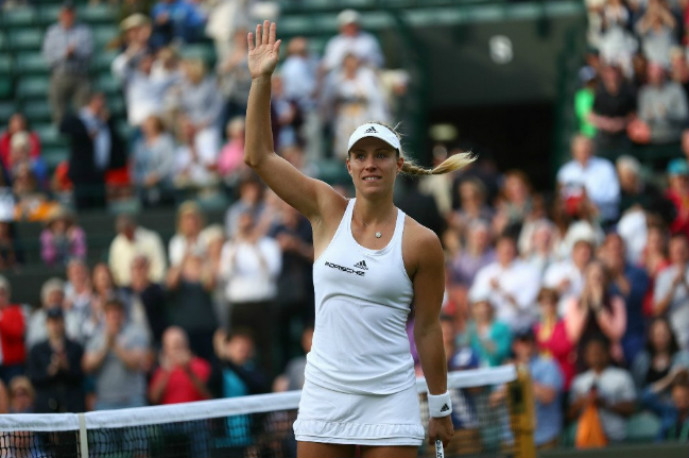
[(361, 265), (371, 130)]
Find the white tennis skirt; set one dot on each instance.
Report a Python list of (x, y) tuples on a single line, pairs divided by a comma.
[(363, 419)]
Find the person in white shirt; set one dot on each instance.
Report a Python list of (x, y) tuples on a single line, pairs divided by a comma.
[(567, 276), (189, 236), (513, 286), (671, 294), (597, 176), (250, 264), (133, 240), (196, 156), (609, 388), (352, 40)]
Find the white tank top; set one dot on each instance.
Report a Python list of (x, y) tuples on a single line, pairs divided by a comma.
[(363, 299)]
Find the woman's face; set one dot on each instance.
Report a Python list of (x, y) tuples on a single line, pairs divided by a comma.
[(516, 189), (483, 311), (548, 306), (660, 335), (655, 241), (190, 224), (101, 278), (479, 238), (373, 165), (17, 123), (469, 194)]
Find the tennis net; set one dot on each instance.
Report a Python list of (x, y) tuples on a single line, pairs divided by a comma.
[(251, 426)]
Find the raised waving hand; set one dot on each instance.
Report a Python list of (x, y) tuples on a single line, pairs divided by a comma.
[(264, 50)]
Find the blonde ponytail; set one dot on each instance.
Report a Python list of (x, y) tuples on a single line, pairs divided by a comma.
[(455, 162)]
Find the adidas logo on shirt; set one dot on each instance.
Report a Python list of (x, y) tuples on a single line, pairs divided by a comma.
[(371, 130), (361, 264)]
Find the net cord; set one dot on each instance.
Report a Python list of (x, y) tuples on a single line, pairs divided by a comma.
[(216, 408)]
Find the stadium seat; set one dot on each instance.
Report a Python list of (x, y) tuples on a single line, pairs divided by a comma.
[(202, 51), (18, 17), (643, 427), (5, 88), (4, 43), (33, 87), (37, 112), (26, 39), (103, 35), (31, 64), (99, 13), (102, 61), (108, 84), (48, 14), (52, 156), (49, 136), (7, 109), (5, 66)]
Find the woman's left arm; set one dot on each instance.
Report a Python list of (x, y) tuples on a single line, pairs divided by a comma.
[(429, 286)]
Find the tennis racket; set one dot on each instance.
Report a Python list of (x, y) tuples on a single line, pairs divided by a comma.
[(439, 449)]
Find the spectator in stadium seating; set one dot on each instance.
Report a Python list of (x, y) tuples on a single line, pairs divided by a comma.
[(489, 337), (548, 386), (537, 245), (181, 376), (250, 198), (190, 286), (584, 99), (511, 284), (235, 79), (458, 351), (567, 276), (130, 241), (351, 95), (145, 92), (177, 20), (22, 395), (130, 7), (190, 236), (657, 29), (53, 296), (54, 367), (12, 331), (67, 47), (20, 157), (95, 148), (196, 157), (236, 375), (225, 21), (299, 74), (654, 259), (609, 388), (250, 266), (671, 294), (663, 111), (32, 202), (614, 107), (118, 358), (657, 364), (352, 40), (596, 312), (678, 194), (675, 425), (78, 290), (631, 283), (154, 161), (18, 124), (679, 68), (476, 254), (635, 192), (197, 98), (62, 239), (551, 335), (514, 203), (231, 157), (473, 207), (295, 281), (593, 175), (150, 297), (292, 377), (288, 117), (136, 35)]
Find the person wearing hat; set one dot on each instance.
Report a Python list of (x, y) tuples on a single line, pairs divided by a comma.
[(352, 40), (371, 263), (136, 33), (67, 47), (54, 367)]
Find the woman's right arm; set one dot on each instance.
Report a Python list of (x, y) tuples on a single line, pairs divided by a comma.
[(309, 196)]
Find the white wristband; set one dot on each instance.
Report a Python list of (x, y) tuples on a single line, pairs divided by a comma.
[(439, 405)]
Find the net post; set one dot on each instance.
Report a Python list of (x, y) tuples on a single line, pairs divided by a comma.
[(522, 414), (83, 438)]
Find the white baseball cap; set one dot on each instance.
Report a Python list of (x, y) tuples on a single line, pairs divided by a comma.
[(374, 130)]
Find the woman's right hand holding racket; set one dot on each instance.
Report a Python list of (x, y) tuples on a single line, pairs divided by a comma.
[(263, 50)]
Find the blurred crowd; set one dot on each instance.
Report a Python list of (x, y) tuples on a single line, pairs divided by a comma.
[(587, 284)]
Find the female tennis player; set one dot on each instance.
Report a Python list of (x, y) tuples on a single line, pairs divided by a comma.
[(371, 263)]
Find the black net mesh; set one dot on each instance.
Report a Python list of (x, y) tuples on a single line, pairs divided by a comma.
[(481, 416)]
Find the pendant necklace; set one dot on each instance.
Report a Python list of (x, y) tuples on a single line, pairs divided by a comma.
[(378, 235)]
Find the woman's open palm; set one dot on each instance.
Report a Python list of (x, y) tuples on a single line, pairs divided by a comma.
[(263, 50)]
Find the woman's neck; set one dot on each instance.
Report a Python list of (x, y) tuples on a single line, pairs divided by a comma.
[(367, 211)]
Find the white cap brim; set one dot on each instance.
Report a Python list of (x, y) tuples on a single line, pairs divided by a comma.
[(374, 130)]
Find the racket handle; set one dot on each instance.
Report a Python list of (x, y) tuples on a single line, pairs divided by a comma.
[(439, 449)]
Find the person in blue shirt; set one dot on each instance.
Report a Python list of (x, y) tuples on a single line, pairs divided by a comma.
[(548, 384), (177, 20), (674, 414)]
